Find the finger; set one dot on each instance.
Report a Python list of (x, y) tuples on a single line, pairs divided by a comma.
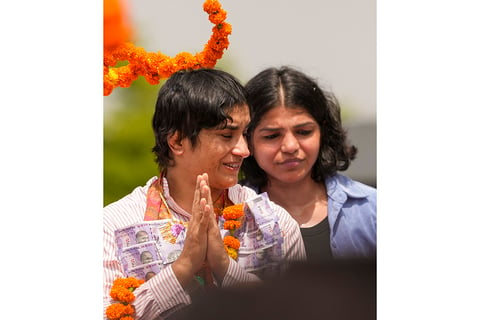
[(207, 213), (196, 194), (203, 221), (209, 194), (210, 215), (206, 195), (204, 190), (205, 176), (196, 198), (203, 208), (212, 218)]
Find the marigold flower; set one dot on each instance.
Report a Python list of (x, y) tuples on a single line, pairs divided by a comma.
[(231, 242), (122, 294), (122, 291), (129, 282), (231, 225), (232, 252), (218, 17), (116, 24), (233, 212), (211, 6), (118, 310)]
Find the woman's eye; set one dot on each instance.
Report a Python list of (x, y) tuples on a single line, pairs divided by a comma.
[(227, 136), (271, 136), (304, 132)]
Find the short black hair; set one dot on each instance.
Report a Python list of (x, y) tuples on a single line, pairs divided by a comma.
[(192, 100)]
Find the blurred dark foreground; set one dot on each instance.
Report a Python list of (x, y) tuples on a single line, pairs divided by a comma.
[(340, 290)]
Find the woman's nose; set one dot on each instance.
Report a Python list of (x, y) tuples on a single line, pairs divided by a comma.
[(241, 148), (289, 144)]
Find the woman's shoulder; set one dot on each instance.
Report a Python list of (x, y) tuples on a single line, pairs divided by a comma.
[(352, 188), (239, 193), (246, 183), (131, 201)]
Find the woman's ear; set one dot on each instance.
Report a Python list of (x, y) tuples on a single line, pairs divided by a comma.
[(175, 143)]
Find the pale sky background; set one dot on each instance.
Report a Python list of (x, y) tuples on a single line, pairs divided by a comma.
[(333, 41)]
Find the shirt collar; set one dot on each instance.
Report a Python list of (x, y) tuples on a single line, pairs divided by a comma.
[(340, 187), (170, 201)]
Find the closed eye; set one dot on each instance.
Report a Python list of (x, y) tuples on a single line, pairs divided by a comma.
[(271, 136), (304, 132)]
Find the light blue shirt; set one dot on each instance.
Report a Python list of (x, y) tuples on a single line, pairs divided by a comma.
[(352, 216)]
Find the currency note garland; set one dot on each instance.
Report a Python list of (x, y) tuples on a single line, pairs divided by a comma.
[(123, 288)]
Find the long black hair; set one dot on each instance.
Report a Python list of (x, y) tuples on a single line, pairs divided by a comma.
[(291, 88)]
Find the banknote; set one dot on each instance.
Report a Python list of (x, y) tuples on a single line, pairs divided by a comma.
[(261, 237), (255, 240), (136, 255), (260, 207), (164, 239), (168, 232), (169, 236), (146, 271), (255, 260), (169, 252), (132, 235)]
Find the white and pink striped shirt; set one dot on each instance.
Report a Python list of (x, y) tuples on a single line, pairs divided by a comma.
[(163, 294)]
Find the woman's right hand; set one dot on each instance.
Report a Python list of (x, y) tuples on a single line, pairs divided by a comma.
[(195, 246)]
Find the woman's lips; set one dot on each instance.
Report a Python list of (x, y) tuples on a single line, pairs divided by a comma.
[(235, 166), (291, 163)]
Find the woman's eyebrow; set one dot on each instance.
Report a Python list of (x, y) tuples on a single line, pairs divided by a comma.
[(280, 128), (232, 126), (305, 124), (269, 129), (229, 126)]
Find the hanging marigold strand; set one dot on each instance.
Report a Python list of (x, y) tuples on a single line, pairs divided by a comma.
[(233, 216), (122, 291), (157, 66)]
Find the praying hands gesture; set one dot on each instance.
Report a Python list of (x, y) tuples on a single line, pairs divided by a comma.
[(203, 241)]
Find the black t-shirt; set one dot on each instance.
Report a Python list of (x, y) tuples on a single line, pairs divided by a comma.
[(317, 242)]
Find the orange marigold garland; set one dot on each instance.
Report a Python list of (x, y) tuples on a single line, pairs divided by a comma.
[(117, 27), (233, 216), (157, 66), (122, 291)]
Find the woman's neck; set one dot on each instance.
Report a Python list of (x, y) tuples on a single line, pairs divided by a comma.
[(306, 201), (182, 191)]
